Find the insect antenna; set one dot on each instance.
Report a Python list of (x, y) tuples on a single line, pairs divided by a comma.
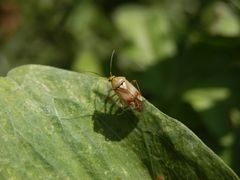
[(111, 60)]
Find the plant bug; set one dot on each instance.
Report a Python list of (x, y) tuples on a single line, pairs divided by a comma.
[(126, 91)]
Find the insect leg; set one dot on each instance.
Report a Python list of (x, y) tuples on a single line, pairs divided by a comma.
[(117, 101), (124, 107), (134, 82), (107, 99)]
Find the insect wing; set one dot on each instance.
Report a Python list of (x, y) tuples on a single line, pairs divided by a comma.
[(130, 95), (137, 98)]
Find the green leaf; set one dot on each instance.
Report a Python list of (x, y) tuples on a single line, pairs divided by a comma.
[(56, 124), (220, 19), (147, 34)]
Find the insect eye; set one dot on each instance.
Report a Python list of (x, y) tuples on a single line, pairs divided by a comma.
[(111, 78)]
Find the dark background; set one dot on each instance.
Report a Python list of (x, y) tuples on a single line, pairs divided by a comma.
[(185, 54)]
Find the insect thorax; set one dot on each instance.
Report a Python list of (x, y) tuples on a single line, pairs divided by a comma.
[(117, 82)]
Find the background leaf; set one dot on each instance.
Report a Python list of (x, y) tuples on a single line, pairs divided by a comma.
[(57, 124)]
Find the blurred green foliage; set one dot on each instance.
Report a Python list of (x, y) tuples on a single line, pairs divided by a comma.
[(184, 54)]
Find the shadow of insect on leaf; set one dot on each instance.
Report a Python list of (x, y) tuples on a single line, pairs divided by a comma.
[(114, 124), (110, 118), (114, 127)]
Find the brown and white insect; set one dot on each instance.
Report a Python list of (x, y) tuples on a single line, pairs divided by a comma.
[(126, 91)]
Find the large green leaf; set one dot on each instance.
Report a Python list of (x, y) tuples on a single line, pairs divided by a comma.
[(57, 124)]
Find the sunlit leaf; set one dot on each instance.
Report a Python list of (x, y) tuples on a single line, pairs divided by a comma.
[(147, 33), (56, 124), (204, 98), (220, 19)]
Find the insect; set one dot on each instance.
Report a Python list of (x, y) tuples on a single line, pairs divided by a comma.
[(126, 91)]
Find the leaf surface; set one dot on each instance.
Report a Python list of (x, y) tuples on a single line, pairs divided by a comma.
[(57, 124)]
